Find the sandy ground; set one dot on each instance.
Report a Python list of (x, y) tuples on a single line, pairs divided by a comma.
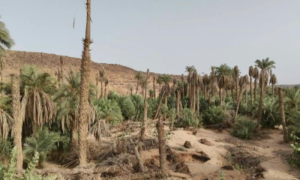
[(277, 168)]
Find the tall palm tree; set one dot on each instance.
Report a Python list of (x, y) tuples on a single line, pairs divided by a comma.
[(138, 77), (242, 83), (255, 76), (18, 116), (84, 89), (102, 79), (212, 82), (251, 72), (154, 86), (236, 72), (223, 74), (206, 82), (40, 108), (189, 70), (145, 118), (266, 66), (273, 81), (105, 85), (6, 42), (68, 100), (166, 79), (199, 84)]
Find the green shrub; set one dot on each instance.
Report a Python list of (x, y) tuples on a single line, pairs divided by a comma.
[(108, 110), (138, 102), (164, 110), (185, 102), (152, 107), (270, 113), (188, 118), (213, 115), (295, 159), (243, 127), (43, 141), (171, 102), (113, 95), (127, 107), (5, 148)]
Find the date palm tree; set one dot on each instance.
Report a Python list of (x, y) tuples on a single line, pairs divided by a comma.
[(266, 66), (206, 82), (138, 77), (189, 70), (84, 89), (236, 72), (6, 42), (255, 76), (68, 100), (242, 83), (251, 71), (102, 80), (105, 85), (273, 81), (40, 108), (166, 79), (223, 74), (212, 82)]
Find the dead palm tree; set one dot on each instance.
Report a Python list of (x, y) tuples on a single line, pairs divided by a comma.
[(145, 118), (266, 67), (255, 76), (251, 72), (236, 74), (84, 89), (273, 81)]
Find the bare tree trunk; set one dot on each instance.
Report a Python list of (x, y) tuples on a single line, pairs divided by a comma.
[(161, 145), (273, 90), (198, 103), (232, 95), (102, 89), (144, 128), (238, 102), (154, 89), (281, 106), (84, 89), (251, 93), (138, 157), (159, 105), (17, 123), (246, 95), (255, 88), (237, 88), (261, 99), (178, 103), (104, 92)]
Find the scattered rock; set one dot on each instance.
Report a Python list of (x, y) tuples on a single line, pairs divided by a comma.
[(195, 132), (228, 167), (182, 168), (187, 144), (205, 142), (201, 156)]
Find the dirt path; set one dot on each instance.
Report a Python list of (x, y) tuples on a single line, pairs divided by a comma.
[(269, 151)]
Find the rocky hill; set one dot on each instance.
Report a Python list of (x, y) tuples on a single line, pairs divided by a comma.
[(121, 78)]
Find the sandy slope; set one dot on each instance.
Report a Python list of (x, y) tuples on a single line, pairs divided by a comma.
[(268, 150)]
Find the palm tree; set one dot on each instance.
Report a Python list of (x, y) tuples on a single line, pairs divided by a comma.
[(266, 67), (102, 79), (273, 81), (190, 70), (236, 72), (154, 87), (145, 118), (68, 100), (166, 79), (84, 89), (283, 122), (206, 82), (6, 121), (255, 76), (106, 84), (40, 108), (251, 72), (6, 41), (242, 83), (212, 82), (223, 74), (138, 77), (198, 87)]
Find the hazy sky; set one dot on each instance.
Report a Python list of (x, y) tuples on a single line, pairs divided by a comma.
[(164, 35)]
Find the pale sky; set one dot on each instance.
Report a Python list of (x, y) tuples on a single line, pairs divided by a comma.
[(164, 35)]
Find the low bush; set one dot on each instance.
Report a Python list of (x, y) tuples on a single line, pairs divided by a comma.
[(243, 127), (188, 118), (213, 115)]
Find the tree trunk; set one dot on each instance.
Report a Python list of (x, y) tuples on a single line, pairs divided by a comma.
[(281, 106), (178, 103), (84, 89), (246, 95), (161, 145), (261, 99), (273, 90), (255, 88), (154, 89), (232, 95), (104, 95), (220, 95), (144, 128), (251, 94), (17, 123), (198, 103), (101, 88), (236, 88), (239, 99), (159, 105)]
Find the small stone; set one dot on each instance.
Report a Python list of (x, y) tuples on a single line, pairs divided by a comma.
[(187, 144), (228, 167), (195, 132)]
